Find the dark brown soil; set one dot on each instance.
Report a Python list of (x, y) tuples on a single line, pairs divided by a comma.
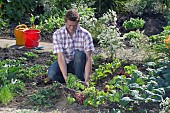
[(8, 53)]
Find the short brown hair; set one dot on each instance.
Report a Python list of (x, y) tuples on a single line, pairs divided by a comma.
[(72, 15)]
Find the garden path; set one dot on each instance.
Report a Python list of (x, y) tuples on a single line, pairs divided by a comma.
[(122, 53), (11, 43)]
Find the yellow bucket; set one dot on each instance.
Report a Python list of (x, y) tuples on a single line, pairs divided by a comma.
[(19, 34)]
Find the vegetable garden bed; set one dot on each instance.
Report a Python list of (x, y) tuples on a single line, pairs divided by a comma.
[(115, 85)]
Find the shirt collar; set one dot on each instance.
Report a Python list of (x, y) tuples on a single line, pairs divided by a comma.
[(77, 30)]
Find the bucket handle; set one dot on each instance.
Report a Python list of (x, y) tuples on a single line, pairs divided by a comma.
[(21, 26)]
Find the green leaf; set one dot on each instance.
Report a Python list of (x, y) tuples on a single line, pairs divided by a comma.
[(161, 81), (125, 89), (134, 92), (116, 97), (140, 81), (125, 101), (128, 80), (115, 110), (32, 19), (151, 64), (138, 73), (159, 91), (149, 92), (138, 98), (134, 85), (107, 71), (167, 88), (167, 76), (156, 98), (134, 79), (142, 111), (149, 86)]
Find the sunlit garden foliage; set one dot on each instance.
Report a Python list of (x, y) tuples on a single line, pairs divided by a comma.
[(130, 86)]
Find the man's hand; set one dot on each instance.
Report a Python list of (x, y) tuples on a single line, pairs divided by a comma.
[(86, 84)]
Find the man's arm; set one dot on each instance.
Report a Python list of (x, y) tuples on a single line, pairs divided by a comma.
[(62, 64), (88, 67)]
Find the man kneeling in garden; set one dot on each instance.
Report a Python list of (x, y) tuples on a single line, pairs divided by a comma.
[(73, 45)]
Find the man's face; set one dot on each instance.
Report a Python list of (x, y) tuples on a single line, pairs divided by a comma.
[(71, 26)]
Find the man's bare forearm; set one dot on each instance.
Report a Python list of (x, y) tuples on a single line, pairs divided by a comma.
[(62, 65), (88, 70), (88, 66)]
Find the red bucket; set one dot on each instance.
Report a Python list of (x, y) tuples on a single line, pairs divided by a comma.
[(32, 38)]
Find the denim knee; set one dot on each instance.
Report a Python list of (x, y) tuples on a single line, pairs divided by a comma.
[(79, 55), (54, 72), (79, 64)]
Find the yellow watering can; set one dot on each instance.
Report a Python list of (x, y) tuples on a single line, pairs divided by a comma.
[(19, 34)]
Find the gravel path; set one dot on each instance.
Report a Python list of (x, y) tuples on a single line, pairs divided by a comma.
[(126, 54)]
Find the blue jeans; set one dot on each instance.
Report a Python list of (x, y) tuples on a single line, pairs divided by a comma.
[(76, 67)]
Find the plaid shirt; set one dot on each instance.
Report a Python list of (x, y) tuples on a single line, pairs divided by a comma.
[(80, 40)]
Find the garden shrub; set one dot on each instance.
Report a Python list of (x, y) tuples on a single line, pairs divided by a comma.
[(133, 23), (14, 10), (103, 7), (135, 7), (109, 38), (167, 16), (51, 20), (159, 38), (159, 43), (139, 7)]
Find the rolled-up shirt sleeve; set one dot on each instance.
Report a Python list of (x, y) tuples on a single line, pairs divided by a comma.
[(57, 43)]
